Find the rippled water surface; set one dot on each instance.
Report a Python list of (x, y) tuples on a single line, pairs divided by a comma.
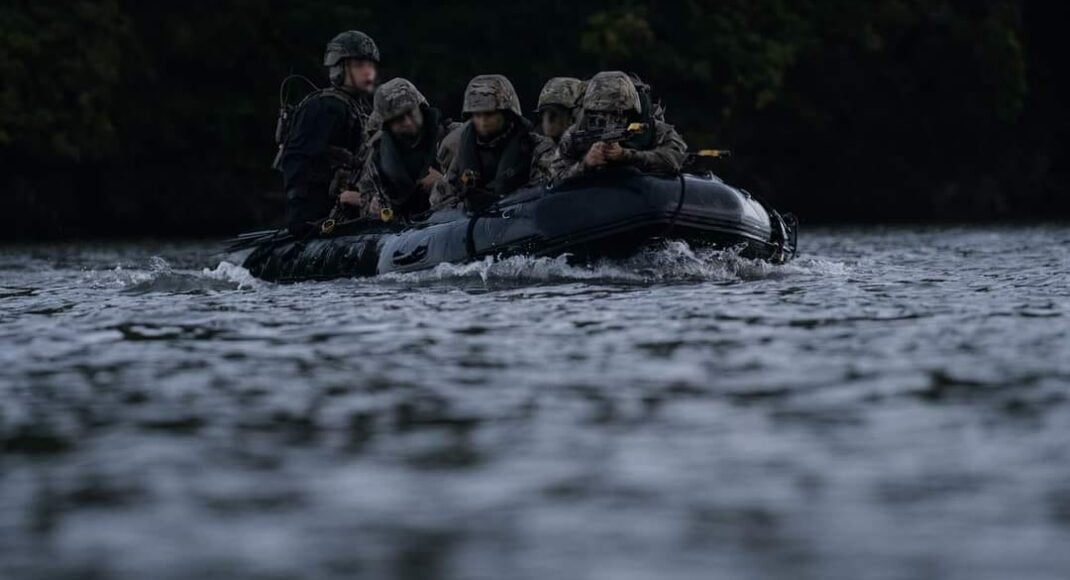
[(891, 405)]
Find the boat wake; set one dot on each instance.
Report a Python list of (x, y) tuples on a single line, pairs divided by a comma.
[(663, 263), (666, 262), (161, 277)]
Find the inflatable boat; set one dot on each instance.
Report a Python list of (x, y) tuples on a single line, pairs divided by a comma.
[(611, 214)]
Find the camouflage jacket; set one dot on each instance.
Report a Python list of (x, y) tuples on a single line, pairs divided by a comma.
[(666, 155), (385, 181), (455, 189)]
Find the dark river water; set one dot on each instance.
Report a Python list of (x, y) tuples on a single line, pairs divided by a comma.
[(891, 405)]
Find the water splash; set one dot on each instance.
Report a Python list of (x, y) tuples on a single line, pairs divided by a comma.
[(233, 273), (667, 262), (161, 277)]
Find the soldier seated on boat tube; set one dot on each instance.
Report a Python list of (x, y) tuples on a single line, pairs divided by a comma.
[(613, 129), (400, 166), (493, 153)]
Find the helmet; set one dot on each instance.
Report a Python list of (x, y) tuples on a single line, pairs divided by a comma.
[(347, 45), (561, 91), (350, 44), (611, 92), (395, 98), (486, 93)]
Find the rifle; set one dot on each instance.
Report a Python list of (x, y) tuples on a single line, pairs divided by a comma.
[(582, 140)]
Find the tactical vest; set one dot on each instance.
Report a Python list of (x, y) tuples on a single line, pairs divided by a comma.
[(357, 119), (512, 171), (399, 180)]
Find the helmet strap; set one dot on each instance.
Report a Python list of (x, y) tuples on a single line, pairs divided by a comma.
[(347, 75)]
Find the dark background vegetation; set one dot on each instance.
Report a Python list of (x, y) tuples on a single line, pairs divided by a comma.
[(122, 118)]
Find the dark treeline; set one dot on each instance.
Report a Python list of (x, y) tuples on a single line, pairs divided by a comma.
[(121, 117)]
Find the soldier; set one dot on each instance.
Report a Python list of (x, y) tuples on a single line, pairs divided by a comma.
[(612, 100), (328, 129), (400, 166), (494, 152), (557, 104)]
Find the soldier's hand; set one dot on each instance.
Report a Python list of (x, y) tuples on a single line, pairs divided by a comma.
[(429, 180), (613, 152), (595, 155), (350, 198)]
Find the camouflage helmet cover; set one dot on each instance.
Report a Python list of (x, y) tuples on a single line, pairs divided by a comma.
[(350, 44), (487, 93), (562, 91), (611, 91), (395, 98)]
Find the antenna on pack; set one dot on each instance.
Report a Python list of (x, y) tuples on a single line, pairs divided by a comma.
[(286, 112), (285, 83)]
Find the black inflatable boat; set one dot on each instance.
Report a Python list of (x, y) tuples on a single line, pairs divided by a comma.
[(612, 214)]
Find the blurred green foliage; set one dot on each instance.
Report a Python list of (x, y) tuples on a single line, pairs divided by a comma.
[(60, 65), (122, 117)]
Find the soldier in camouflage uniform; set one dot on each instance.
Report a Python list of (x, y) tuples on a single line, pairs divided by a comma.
[(611, 99), (400, 166), (328, 129), (557, 104), (494, 152)]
